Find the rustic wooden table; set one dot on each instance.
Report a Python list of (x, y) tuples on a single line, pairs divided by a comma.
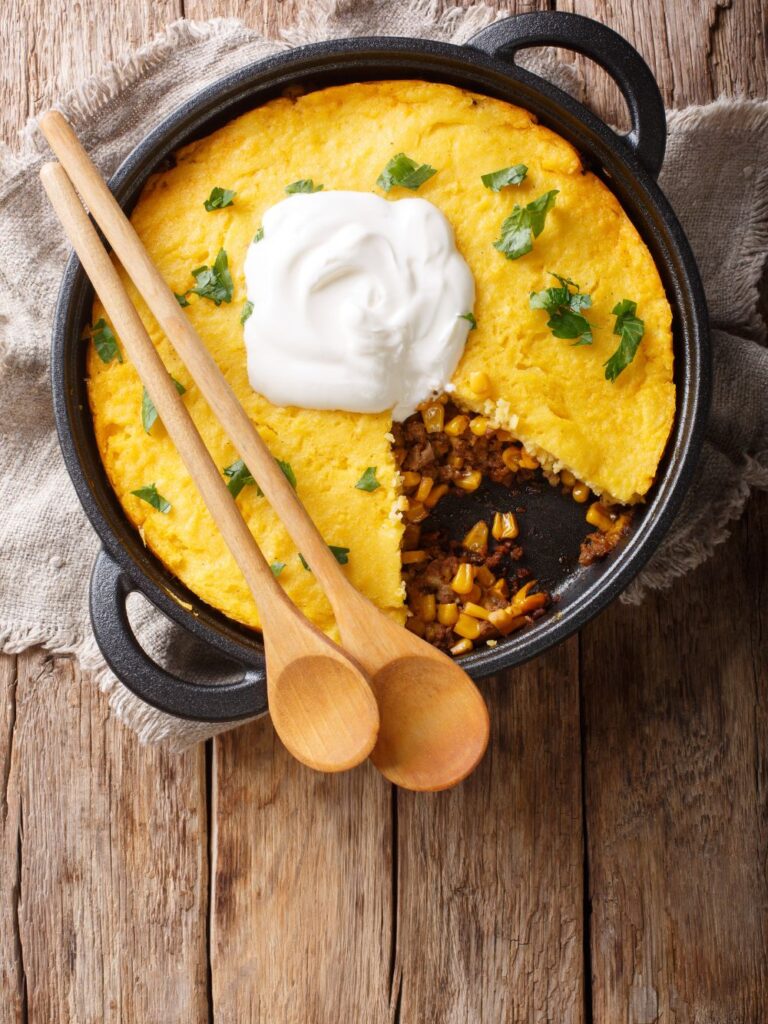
[(606, 863)]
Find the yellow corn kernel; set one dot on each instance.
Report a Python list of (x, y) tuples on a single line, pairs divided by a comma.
[(411, 479), (580, 492), (462, 647), (455, 461), (475, 595), (501, 587), (435, 494), (567, 478), (476, 539), (504, 526), (411, 536), (484, 576), (422, 491), (479, 382), (470, 480), (464, 579), (511, 458), (413, 557), (528, 461), (504, 435), (598, 516), (523, 602), (426, 607), (505, 621), (467, 627), (447, 614), (479, 426), (415, 626), (475, 610), (457, 425), (416, 512), (434, 417)]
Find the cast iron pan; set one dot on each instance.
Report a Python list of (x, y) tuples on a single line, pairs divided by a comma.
[(553, 526)]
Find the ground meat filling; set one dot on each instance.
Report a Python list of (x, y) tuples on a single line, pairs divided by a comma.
[(474, 591)]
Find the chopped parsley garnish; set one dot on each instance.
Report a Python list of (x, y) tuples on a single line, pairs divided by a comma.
[(105, 342), (239, 477), (277, 568), (148, 410), (630, 328), (150, 495), (340, 554), (259, 235), (214, 283), (289, 474), (368, 481), (302, 185), (403, 172), (497, 180), (564, 307), (523, 225), (303, 561), (470, 318), (219, 198), (247, 310)]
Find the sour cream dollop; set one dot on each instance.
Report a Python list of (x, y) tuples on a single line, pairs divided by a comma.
[(357, 303)]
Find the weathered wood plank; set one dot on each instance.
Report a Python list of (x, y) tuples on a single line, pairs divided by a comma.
[(302, 893), (489, 924), (12, 984), (111, 860)]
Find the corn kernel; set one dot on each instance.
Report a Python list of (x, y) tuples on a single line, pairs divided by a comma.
[(501, 587), (447, 614), (475, 595), (435, 494), (479, 426), (467, 627), (426, 607), (413, 557), (416, 512), (422, 491), (415, 626), (504, 526), (511, 458), (504, 435), (528, 461), (464, 579), (455, 461), (475, 610), (476, 538), (457, 425), (505, 621), (411, 479), (524, 602), (580, 493), (598, 516), (462, 647), (470, 481), (567, 478), (480, 382), (434, 417), (484, 576), (411, 536)]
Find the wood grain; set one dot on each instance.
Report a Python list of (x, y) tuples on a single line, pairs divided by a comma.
[(12, 981), (489, 923), (302, 893)]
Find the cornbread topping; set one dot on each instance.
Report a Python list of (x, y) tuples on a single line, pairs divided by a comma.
[(358, 303)]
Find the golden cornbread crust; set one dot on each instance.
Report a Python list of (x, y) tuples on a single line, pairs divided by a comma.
[(551, 395)]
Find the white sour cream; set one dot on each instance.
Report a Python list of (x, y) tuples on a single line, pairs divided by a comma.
[(357, 303)]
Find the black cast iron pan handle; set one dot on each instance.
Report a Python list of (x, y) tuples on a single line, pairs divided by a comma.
[(110, 587), (648, 136)]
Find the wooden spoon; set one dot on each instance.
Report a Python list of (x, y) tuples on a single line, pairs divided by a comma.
[(434, 722), (319, 698)]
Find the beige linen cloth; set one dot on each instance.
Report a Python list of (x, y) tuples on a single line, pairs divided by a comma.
[(716, 176)]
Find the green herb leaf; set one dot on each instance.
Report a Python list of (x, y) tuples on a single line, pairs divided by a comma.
[(340, 554), (277, 568), (219, 198), (289, 474), (403, 172), (214, 283), (303, 561), (470, 317), (259, 235), (631, 329), (148, 410), (150, 495), (497, 180), (181, 299), (105, 342), (239, 477), (303, 185), (247, 310), (523, 225), (564, 306), (368, 481)]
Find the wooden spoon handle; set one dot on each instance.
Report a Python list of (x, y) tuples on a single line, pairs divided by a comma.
[(149, 366), (201, 365)]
